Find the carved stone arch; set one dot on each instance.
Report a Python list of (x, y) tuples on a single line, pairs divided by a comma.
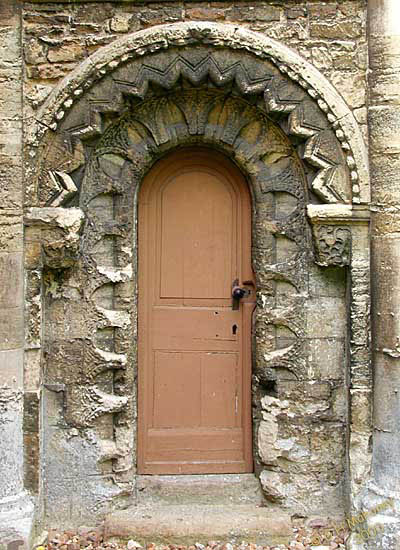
[(224, 54), (281, 249), (102, 129)]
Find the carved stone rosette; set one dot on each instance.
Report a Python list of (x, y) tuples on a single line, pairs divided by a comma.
[(332, 245)]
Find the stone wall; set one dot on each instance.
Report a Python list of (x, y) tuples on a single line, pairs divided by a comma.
[(331, 35), (94, 158), (301, 421)]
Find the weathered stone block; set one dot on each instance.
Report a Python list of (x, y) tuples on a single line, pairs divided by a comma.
[(11, 368), (205, 13), (296, 11), (11, 182), (11, 328), (75, 455), (339, 400), (32, 461), (32, 369), (360, 457), (385, 124), (86, 501), (33, 308), (31, 412), (10, 100), (11, 457), (53, 404), (267, 436), (47, 71), (34, 51), (352, 86), (340, 30), (72, 451), (327, 281), (322, 57), (280, 439), (326, 317), (361, 410), (161, 15), (308, 400), (8, 13), (361, 115), (328, 449), (10, 51), (322, 10), (11, 290), (326, 358), (68, 319), (85, 404), (254, 13), (121, 22), (68, 52), (10, 231), (33, 255)]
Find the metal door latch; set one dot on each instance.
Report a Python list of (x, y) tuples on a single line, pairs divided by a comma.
[(238, 293)]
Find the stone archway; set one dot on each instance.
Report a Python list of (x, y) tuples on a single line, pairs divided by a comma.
[(140, 103)]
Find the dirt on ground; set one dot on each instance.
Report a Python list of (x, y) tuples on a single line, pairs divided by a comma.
[(310, 538)]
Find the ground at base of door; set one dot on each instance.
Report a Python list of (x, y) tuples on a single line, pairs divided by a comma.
[(303, 538)]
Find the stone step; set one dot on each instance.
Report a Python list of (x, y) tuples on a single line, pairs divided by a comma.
[(199, 489), (188, 524)]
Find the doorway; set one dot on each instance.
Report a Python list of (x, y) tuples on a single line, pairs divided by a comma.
[(194, 339)]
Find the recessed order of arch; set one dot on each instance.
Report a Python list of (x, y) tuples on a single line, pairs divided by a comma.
[(207, 117), (226, 56)]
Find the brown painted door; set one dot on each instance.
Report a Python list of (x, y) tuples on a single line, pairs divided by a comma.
[(194, 350)]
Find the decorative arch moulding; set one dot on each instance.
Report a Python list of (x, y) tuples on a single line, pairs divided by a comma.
[(215, 37), (101, 130)]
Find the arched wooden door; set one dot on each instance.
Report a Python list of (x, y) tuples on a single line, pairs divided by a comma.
[(194, 350)]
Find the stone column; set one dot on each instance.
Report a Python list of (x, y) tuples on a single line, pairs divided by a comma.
[(384, 141), (15, 505)]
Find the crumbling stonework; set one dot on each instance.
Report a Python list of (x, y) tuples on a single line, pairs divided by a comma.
[(100, 335), (109, 88)]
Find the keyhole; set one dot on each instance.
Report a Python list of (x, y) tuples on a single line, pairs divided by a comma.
[(234, 329)]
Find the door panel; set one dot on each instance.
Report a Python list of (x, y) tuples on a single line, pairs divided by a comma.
[(193, 349), (199, 234)]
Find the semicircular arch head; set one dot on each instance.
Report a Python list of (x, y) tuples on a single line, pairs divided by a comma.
[(126, 70)]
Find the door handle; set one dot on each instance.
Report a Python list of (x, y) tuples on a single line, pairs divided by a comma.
[(238, 293)]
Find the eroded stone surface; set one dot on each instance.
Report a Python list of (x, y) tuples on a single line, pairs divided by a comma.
[(282, 252), (288, 131)]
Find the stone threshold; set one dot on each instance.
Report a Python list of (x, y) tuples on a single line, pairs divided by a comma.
[(187, 509), (202, 489), (190, 523)]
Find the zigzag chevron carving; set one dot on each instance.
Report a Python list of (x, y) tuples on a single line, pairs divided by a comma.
[(236, 73)]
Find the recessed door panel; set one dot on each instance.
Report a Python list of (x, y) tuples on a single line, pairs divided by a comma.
[(193, 348)]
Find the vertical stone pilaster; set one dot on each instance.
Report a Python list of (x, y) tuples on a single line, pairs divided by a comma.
[(384, 128), (16, 508), (360, 376), (341, 237), (384, 141)]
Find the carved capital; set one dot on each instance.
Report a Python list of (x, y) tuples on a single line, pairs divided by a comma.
[(332, 231), (332, 245)]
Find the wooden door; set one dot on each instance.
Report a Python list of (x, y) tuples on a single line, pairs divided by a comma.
[(194, 350)]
